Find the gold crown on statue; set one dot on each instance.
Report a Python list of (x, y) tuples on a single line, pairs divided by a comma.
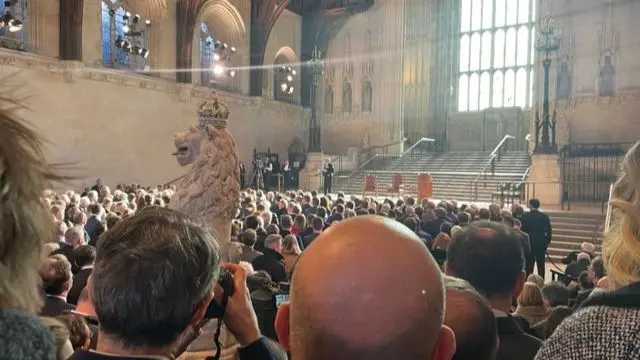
[(213, 112)]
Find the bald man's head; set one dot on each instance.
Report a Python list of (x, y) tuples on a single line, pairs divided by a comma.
[(368, 289)]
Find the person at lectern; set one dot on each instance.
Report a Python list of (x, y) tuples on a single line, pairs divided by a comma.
[(327, 173)]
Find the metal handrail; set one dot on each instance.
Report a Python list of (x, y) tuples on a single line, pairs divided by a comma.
[(526, 173), (424, 139), (492, 156)]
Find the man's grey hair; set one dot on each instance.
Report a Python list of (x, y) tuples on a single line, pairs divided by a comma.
[(74, 236), (162, 266)]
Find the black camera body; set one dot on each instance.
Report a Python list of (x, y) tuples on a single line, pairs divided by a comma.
[(215, 310)]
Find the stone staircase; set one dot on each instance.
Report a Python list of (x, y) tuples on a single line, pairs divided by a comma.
[(453, 173), (571, 229)]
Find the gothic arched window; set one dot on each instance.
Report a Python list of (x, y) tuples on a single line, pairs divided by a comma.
[(112, 29), (346, 97), (206, 54), (496, 37), (328, 100), (367, 96), (15, 37)]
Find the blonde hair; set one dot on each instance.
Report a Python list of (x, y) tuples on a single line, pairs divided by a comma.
[(290, 245), (621, 245), (536, 279), (531, 295), (24, 223)]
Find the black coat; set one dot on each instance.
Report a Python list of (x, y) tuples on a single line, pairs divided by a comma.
[(538, 226), (432, 227), (79, 282), (272, 263), (54, 306), (515, 344)]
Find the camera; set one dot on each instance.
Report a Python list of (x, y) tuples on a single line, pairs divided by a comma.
[(215, 310)]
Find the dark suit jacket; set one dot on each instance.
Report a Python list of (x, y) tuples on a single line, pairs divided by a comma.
[(67, 251), (307, 240), (79, 282), (54, 306), (432, 227), (92, 227), (515, 344), (538, 226), (272, 263), (249, 254)]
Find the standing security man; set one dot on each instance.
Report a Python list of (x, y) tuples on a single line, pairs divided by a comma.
[(538, 226), (327, 172)]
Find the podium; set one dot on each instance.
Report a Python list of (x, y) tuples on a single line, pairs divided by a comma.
[(425, 186)]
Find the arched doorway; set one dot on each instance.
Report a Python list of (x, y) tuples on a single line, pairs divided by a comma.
[(286, 76)]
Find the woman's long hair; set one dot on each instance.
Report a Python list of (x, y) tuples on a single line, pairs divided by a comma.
[(24, 223), (621, 246)]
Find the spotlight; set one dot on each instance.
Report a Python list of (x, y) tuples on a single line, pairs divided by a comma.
[(289, 78), (216, 57), (126, 29), (218, 70), (126, 46), (147, 22), (284, 87), (291, 90), (289, 69), (232, 73), (283, 68), (233, 49), (136, 18), (224, 46), (144, 53), (128, 14), (293, 72)]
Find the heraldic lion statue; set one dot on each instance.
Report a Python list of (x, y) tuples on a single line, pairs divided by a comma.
[(210, 189)]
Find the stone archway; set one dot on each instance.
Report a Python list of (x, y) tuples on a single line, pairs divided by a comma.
[(225, 24), (285, 57)]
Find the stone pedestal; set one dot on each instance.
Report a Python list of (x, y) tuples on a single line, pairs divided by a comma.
[(545, 179), (310, 178)]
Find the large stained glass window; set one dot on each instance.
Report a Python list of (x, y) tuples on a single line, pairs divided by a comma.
[(206, 54), (496, 54), (113, 28)]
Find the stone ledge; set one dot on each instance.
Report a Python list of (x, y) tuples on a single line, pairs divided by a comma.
[(70, 71)]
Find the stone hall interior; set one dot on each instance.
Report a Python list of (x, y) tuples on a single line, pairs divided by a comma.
[(437, 114)]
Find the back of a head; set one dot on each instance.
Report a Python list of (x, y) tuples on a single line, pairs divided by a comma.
[(286, 221), (584, 257), (249, 237), (317, 224), (534, 204), (484, 214), (464, 218), (173, 255), (56, 275), (24, 175), (556, 294), (556, 316), (536, 279), (470, 317), (489, 256), (348, 253), (531, 295), (85, 255), (597, 266), (411, 223)]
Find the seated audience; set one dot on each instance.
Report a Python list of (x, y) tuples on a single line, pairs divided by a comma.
[(575, 268), (343, 327), (536, 279), (290, 252), (470, 317), (24, 227), (496, 270), (164, 243), (606, 325), (585, 247), (555, 294), (412, 223), (79, 332), (272, 260), (57, 280), (545, 328), (317, 224), (60, 335), (523, 237), (433, 227), (531, 306), (249, 239), (85, 257), (94, 223), (595, 272), (86, 309)]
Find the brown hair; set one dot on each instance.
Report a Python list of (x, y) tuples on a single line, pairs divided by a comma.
[(24, 223), (79, 332)]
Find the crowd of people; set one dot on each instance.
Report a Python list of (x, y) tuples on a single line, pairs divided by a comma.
[(105, 274)]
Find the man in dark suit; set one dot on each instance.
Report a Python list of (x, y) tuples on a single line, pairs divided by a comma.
[(56, 280), (74, 237), (432, 227), (249, 238), (85, 257), (523, 237), (538, 226), (318, 225), (272, 260), (93, 223), (327, 173), (489, 256)]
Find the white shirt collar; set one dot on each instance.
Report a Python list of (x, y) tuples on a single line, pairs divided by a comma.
[(499, 314), (86, 267), (58, 297)]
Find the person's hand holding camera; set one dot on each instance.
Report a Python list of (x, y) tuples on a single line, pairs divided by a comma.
[(239, 316)]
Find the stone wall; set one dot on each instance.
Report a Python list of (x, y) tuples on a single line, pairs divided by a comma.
[(120, 126)]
